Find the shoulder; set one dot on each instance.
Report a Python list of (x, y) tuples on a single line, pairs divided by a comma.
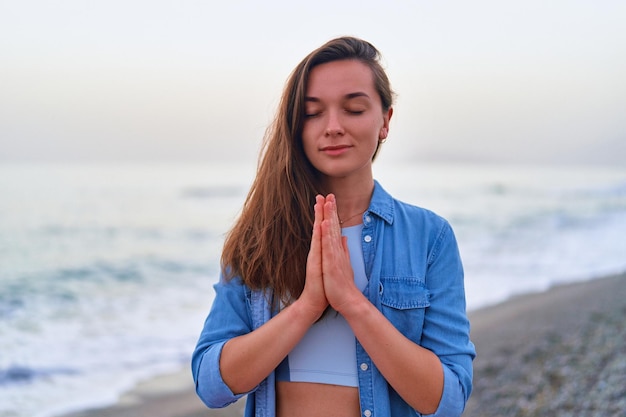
[(405, 214), (414, 212), (385, 204), (408, 220), (416, 220), (231, 288)]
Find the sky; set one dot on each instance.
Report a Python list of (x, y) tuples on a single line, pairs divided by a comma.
[(482, 81)]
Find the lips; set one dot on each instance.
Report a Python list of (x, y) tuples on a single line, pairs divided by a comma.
[(335, 150)]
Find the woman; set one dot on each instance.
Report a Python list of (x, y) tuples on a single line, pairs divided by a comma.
[(308, 322)]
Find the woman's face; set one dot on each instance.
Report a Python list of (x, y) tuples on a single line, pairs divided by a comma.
[(344, 119)]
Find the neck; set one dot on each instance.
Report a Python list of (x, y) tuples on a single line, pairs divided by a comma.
[(352, 200)]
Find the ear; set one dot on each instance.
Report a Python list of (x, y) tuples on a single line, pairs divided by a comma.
[(389, 114), (384, 131)]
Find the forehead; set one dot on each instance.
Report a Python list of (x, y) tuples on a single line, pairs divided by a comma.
[(340, 78)]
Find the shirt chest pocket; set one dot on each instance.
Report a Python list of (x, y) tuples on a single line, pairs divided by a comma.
[(404, 302)]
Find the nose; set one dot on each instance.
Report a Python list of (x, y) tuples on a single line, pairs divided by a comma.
[(334, 126)]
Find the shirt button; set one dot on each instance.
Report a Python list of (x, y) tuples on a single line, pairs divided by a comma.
[(367, 413), (368, 219), (367, 238), (364, 367)]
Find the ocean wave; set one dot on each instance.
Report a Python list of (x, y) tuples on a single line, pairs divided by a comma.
[(16, 374)]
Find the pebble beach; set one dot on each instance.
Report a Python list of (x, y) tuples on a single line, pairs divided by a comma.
[(559, 353)]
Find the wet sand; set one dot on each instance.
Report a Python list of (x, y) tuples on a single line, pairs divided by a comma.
[(561, 352)]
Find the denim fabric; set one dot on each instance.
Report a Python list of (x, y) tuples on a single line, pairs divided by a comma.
[(415, 279)]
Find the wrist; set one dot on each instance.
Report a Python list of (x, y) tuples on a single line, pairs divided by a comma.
[(354, 307), (305, 312)]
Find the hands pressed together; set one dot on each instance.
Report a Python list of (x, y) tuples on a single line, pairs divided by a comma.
[(329, 275)]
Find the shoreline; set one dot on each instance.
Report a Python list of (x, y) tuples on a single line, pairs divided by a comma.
[(539, 353)]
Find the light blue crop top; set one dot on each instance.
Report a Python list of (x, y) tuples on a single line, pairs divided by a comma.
[(327, 352)]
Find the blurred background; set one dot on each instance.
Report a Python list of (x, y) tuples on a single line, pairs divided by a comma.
[(129, 132)]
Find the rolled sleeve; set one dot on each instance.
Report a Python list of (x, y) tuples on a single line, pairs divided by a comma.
[(229, 317), (453, 398), (213, 390)]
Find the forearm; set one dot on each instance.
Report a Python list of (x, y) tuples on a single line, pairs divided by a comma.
[(414, 372), (247, 359)]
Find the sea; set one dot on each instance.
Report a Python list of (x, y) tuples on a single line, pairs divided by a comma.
[(106, 271)]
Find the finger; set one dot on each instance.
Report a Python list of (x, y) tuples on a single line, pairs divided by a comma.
[(344, 244), (317, 224), (314, 257), (330, 214), (332, 247), (318, 208)]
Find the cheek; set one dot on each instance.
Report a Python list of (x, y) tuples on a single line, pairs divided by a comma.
[(371, 130), (308, 144)]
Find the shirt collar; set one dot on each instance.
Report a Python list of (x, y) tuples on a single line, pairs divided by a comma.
[(381, 203)]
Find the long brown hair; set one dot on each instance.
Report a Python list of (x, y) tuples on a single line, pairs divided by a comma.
[(269, 243)]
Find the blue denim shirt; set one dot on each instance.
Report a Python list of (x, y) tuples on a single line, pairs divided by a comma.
[(415, 279)]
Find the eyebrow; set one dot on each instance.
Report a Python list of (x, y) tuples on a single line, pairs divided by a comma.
[(348, 96)]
